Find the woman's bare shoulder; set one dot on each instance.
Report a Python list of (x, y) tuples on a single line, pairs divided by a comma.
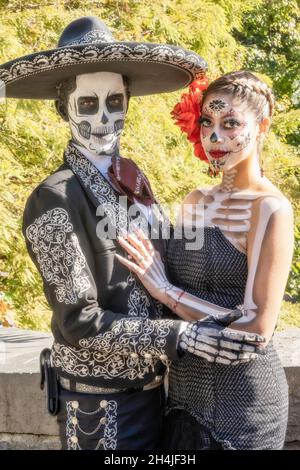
[(271, 203), (267, 194)]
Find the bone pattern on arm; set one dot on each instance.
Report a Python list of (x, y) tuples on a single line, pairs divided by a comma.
[(242, 202)]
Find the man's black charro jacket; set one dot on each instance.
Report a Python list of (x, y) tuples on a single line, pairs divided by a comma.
[(107, 329)]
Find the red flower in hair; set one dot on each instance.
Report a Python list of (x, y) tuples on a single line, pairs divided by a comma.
[(187, 112)]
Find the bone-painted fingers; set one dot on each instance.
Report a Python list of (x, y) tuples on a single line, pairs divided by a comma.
[(241, 345), (199, 345), (138, 244), (217, 354), (243, 336), (149, 260), (130, 265), (239, 359), (202, 354), (237, 346), (131, 250), (212, 342), (238, 339), (154, 254), (146, 242), (147, 268), (148, 245), (246, 357), (215, 337), (208, 352)]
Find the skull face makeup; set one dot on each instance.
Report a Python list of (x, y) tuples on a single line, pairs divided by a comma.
[(96, 111), (228, 131)]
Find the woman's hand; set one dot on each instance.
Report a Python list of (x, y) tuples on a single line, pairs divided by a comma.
[(146, 263)]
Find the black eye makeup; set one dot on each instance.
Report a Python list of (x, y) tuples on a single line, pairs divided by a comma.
[(229, 123), (115, 103), (88, 104), (232, 123), (204, 121)]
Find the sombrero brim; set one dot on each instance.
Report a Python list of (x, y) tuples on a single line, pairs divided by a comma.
[(151, 68)]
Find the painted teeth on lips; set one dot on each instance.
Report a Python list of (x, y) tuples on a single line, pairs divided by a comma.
[(217, 153)]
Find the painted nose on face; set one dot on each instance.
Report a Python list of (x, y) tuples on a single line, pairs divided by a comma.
[(214, 138), (104, 118)]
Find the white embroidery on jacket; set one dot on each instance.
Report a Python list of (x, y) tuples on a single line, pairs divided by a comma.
[(129, 350), (119, 352), (59, 255)]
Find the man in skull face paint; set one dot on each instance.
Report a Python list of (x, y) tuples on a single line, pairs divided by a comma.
[(112, 341), (96, 110)]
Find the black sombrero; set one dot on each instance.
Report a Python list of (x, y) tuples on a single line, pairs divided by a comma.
[(85, 46)]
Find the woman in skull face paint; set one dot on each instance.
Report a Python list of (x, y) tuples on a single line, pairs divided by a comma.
[(246, 225)]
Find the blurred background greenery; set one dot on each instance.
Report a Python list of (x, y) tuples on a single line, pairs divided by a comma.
[(261, 35)]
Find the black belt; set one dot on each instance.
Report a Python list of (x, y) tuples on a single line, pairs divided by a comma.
[(73, 386)]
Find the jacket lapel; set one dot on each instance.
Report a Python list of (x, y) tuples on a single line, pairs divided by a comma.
[(98, 189), (101, 193)]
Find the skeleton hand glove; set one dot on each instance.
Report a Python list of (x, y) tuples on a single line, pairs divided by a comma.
[(213, 340)]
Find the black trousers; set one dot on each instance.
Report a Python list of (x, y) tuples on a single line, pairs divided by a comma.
[(130, 420)]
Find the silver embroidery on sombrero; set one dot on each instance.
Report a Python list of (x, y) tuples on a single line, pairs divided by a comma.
[(107, 412), (93, 36), (192, 63), (59, 255), (130, 350)]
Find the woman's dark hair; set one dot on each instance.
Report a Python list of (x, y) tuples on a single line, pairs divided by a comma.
[(246, 86), (66, 87)]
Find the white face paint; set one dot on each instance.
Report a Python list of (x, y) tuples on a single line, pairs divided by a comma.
[(97, 111), (228, 131)]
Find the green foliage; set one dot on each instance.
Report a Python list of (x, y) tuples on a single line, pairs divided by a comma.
[(289, 316), (287, 127), (293, 284), (271, 32), (33, 136)]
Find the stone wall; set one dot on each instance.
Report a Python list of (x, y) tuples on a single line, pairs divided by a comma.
[(24, 422), (287, 344)]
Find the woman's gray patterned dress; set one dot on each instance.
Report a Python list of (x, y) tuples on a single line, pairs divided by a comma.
[(214, 405)]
